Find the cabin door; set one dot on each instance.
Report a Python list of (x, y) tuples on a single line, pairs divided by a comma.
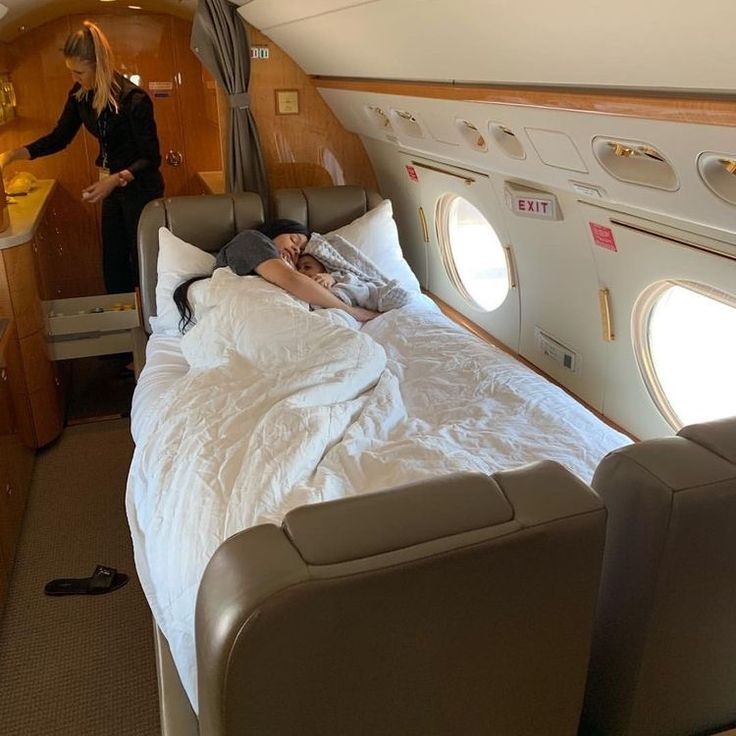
[(644, 267), (469, 259), (153, 51)]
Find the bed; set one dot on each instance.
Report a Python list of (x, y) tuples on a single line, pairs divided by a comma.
[(293, 425)]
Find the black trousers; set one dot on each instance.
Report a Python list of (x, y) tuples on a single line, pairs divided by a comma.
[(120, 214)]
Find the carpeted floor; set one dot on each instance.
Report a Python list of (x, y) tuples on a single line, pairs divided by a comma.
[(77, 665)]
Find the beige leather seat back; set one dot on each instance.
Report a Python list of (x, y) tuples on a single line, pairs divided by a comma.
[(205, 221), (324, 208), (461, 605), (664, 648)]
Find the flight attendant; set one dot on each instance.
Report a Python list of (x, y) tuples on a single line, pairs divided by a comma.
[(120, 115)]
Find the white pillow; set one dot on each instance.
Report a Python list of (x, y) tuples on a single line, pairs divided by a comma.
[(376, 235), (177, 262)]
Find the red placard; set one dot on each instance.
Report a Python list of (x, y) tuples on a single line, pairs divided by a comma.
[(412, 173), (603, 236)]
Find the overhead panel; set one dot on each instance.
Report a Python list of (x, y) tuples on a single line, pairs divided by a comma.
[(264, 14), (567, 43)]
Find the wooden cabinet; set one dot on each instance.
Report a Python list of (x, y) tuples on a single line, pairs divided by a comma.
[(16, 459), (34, 381)]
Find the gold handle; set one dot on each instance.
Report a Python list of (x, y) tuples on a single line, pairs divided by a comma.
[(606, 323), (510, 266), (467, 179), (425, 229), (650, 152), (619, 149), (729, 164)]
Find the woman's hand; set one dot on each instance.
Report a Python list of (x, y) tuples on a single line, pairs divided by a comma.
[(324, 279), (100, 189), (15, 154), (362, 315)]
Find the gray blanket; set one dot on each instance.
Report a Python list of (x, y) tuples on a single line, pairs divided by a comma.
[(340, 256)]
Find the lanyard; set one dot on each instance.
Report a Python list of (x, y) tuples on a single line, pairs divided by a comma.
[(102, 130)]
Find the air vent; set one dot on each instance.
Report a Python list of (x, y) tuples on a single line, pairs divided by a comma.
[(718, 172), (379, 118), (506, 140), (407, 124), (635, 162), (471, 135)]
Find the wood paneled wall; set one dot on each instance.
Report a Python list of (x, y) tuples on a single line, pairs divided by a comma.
[(310, 148), (153, 45)]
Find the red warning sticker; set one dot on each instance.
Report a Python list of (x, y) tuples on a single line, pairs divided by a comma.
[(412, 173), (603, 236)]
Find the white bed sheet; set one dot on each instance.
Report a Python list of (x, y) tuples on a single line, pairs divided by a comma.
[(445, 402)]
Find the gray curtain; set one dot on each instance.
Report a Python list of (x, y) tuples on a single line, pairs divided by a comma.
[(220, 42)]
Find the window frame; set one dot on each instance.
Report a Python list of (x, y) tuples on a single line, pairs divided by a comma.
[(443, 209), (640, 330)]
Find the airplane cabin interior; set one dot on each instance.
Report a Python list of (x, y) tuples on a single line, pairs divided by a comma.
[(477, 476)]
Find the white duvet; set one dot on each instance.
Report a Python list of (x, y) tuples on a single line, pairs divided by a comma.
[(283, 406)]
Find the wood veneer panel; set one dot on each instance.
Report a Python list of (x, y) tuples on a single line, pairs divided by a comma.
[(21, 455), (21, 275), (684, 109), (142, 43), (197, 101), (6, 306), (48, 421), (39, 370), (70, 257), (308, 149)]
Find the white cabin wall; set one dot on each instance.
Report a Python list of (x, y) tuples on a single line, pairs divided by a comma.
[(559, 267), (395, 185), (629, 43)]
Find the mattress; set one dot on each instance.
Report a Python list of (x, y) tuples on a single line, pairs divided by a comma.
[(302, 408)]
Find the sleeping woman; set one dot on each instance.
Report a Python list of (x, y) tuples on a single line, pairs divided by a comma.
[(271, 252)]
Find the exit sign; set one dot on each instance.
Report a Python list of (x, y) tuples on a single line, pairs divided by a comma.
[(532, 203)]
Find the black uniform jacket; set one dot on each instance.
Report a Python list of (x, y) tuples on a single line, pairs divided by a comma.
[(127, 138)]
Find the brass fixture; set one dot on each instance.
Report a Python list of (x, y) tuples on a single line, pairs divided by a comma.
[(423, 221), (510, 267), (619, 149), (503, 129), (384, 118), (650, 152), (406, 115), (729, 164), (606, 322), (467, 179), (480, 142), (174, 158)]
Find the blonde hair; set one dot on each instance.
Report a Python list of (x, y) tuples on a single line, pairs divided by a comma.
[(89, 44)]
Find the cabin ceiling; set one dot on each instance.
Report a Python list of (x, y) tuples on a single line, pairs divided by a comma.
[(655, 45), (23, 15), (626, 44)]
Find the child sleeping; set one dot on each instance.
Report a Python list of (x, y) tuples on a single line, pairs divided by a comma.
[(326, 262)]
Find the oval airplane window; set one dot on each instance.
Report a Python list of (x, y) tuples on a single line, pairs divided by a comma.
[(686, 351), (472, 253)]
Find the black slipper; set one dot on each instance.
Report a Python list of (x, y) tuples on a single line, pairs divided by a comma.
[(103, 580)]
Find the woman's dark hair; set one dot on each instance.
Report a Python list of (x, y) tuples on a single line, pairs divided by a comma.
[(271, 230), (182, 301)]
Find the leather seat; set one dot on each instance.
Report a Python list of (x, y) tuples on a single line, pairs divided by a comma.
[(461, 605), (664, 648)]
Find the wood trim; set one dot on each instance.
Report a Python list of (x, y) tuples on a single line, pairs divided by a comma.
[(479, 332), (682, 108)]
